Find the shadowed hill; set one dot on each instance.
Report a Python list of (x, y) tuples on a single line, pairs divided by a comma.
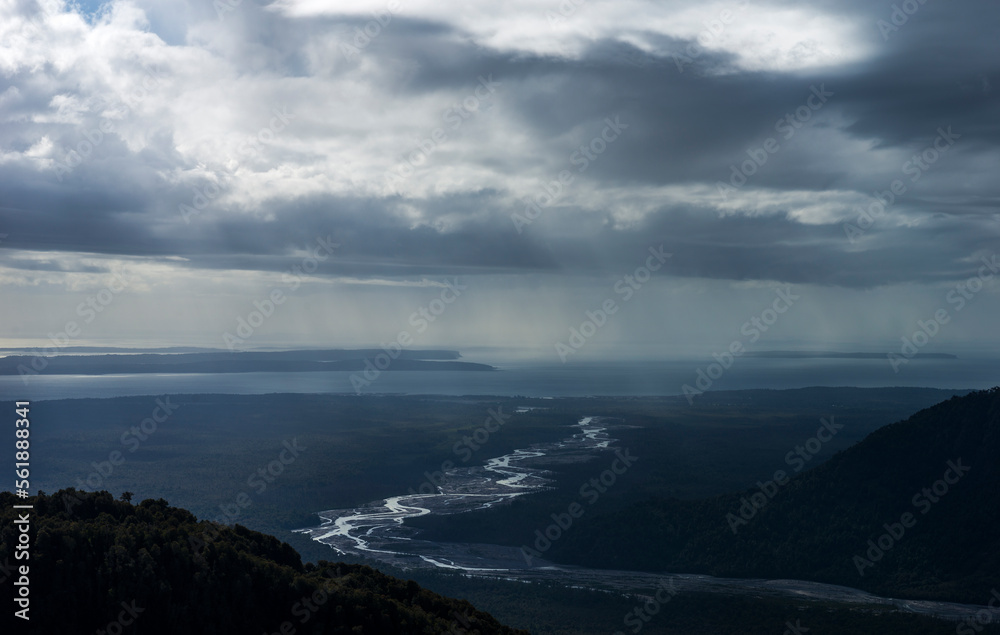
[(152, 568), (924, 492)]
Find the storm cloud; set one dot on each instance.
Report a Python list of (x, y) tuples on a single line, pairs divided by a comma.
[(535, 149)]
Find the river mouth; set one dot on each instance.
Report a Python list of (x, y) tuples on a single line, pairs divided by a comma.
[(377, 532)]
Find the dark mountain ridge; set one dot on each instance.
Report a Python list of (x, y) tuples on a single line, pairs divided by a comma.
[(100, 564), (910, 511)]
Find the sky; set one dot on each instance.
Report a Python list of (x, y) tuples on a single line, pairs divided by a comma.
[(653, 176)]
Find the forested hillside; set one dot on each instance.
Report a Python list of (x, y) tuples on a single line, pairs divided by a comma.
[(924, 491), (97, 562)]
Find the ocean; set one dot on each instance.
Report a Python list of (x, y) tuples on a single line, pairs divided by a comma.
[(532, 379)]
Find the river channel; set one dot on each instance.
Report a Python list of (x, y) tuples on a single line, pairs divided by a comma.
[(377, 532)]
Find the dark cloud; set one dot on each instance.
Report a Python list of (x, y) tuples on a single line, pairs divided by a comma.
[(687, 127)]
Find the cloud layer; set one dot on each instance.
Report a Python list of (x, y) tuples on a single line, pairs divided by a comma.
[(849, 148)]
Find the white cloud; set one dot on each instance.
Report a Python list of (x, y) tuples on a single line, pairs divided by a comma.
[(264, 109), (760, 36)]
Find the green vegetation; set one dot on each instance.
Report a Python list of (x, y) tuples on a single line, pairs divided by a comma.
[(363, 448), (155, 569), (551, 609), (212, 448), (817, 526), (668, 512)]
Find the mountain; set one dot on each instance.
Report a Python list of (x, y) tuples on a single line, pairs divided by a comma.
[(104, 565), (909, 511)]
